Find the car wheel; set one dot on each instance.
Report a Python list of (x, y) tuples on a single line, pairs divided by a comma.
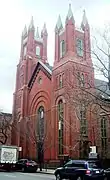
[(58, 177), (23, 169), (79, 178), (35, 171), (105, 178)]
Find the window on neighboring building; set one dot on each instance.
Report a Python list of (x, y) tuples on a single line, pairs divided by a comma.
[(60, 126), (104, 133), (37, 50), (62, 48), (80, 47), (83, 121), (60, 81)]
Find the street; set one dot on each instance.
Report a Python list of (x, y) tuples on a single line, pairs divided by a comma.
[(25, 176)]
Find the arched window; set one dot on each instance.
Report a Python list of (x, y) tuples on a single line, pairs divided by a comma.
[(40, 125), (80, 77), (82, 80), (60, 81), (60, 126), (83, 121), (37, 50), (104, 133), (62, 48), (40, 134), (80, 47), (40, 80)]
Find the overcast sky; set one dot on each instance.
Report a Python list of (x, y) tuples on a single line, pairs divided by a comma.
[(14, 14)]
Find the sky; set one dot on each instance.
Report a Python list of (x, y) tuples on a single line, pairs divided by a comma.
[(14, 14)]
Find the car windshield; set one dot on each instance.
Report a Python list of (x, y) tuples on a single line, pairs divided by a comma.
[(95, 165), (30, 161), (68, 163)]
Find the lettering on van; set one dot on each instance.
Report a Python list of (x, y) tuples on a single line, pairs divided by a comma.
[(8, 155)]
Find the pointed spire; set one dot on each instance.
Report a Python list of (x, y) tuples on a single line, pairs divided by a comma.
[(37, 33), (31, 26), (84, 20), (70, 14), (44, 30), (59, 24), (24, 33)]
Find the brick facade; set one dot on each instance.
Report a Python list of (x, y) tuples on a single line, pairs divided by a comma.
[(38, 85)]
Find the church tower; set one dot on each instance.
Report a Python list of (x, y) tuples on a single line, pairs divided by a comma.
[(33, 49), (72, 58)]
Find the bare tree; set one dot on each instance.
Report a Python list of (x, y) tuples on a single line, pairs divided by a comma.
[(39, 133), (86, 98), (5, 128)]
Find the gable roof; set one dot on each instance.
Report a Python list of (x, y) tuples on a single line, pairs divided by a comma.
[(46, 68), (5, 114)]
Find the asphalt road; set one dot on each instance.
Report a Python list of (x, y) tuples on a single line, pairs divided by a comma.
[(25, 176)]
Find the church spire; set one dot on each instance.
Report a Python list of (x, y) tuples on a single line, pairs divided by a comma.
[(37, 33), (44, 30), (70, 14), (24, 33), (84, 21), (59, 24), (31, 26)]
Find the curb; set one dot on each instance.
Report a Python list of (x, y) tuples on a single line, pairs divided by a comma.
[(45, 172)]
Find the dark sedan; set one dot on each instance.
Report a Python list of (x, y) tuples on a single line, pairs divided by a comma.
[(81, 170), (26, 165), (107, 173)]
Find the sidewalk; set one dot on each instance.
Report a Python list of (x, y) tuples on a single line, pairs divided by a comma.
[(46, 171)]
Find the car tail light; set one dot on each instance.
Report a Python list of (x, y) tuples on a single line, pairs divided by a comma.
[(88, 172), (27, 163)]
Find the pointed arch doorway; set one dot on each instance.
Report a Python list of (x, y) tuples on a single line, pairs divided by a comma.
[(40, 134)]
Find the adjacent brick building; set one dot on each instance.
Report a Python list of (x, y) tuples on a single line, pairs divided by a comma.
[(53, 115)]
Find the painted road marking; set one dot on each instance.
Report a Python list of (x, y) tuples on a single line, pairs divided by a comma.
[(10, 176), (39, 175)]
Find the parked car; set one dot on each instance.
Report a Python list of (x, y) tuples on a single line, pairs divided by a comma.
[(81, 170), (26, 165), (107, 173)]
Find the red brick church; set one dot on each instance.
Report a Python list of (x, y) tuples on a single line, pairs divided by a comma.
[(46, 100)]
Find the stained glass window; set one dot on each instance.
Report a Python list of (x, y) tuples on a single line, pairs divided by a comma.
[(60, 126)]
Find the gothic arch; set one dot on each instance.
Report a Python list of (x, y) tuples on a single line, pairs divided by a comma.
[(60, 98), (41, 98)]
